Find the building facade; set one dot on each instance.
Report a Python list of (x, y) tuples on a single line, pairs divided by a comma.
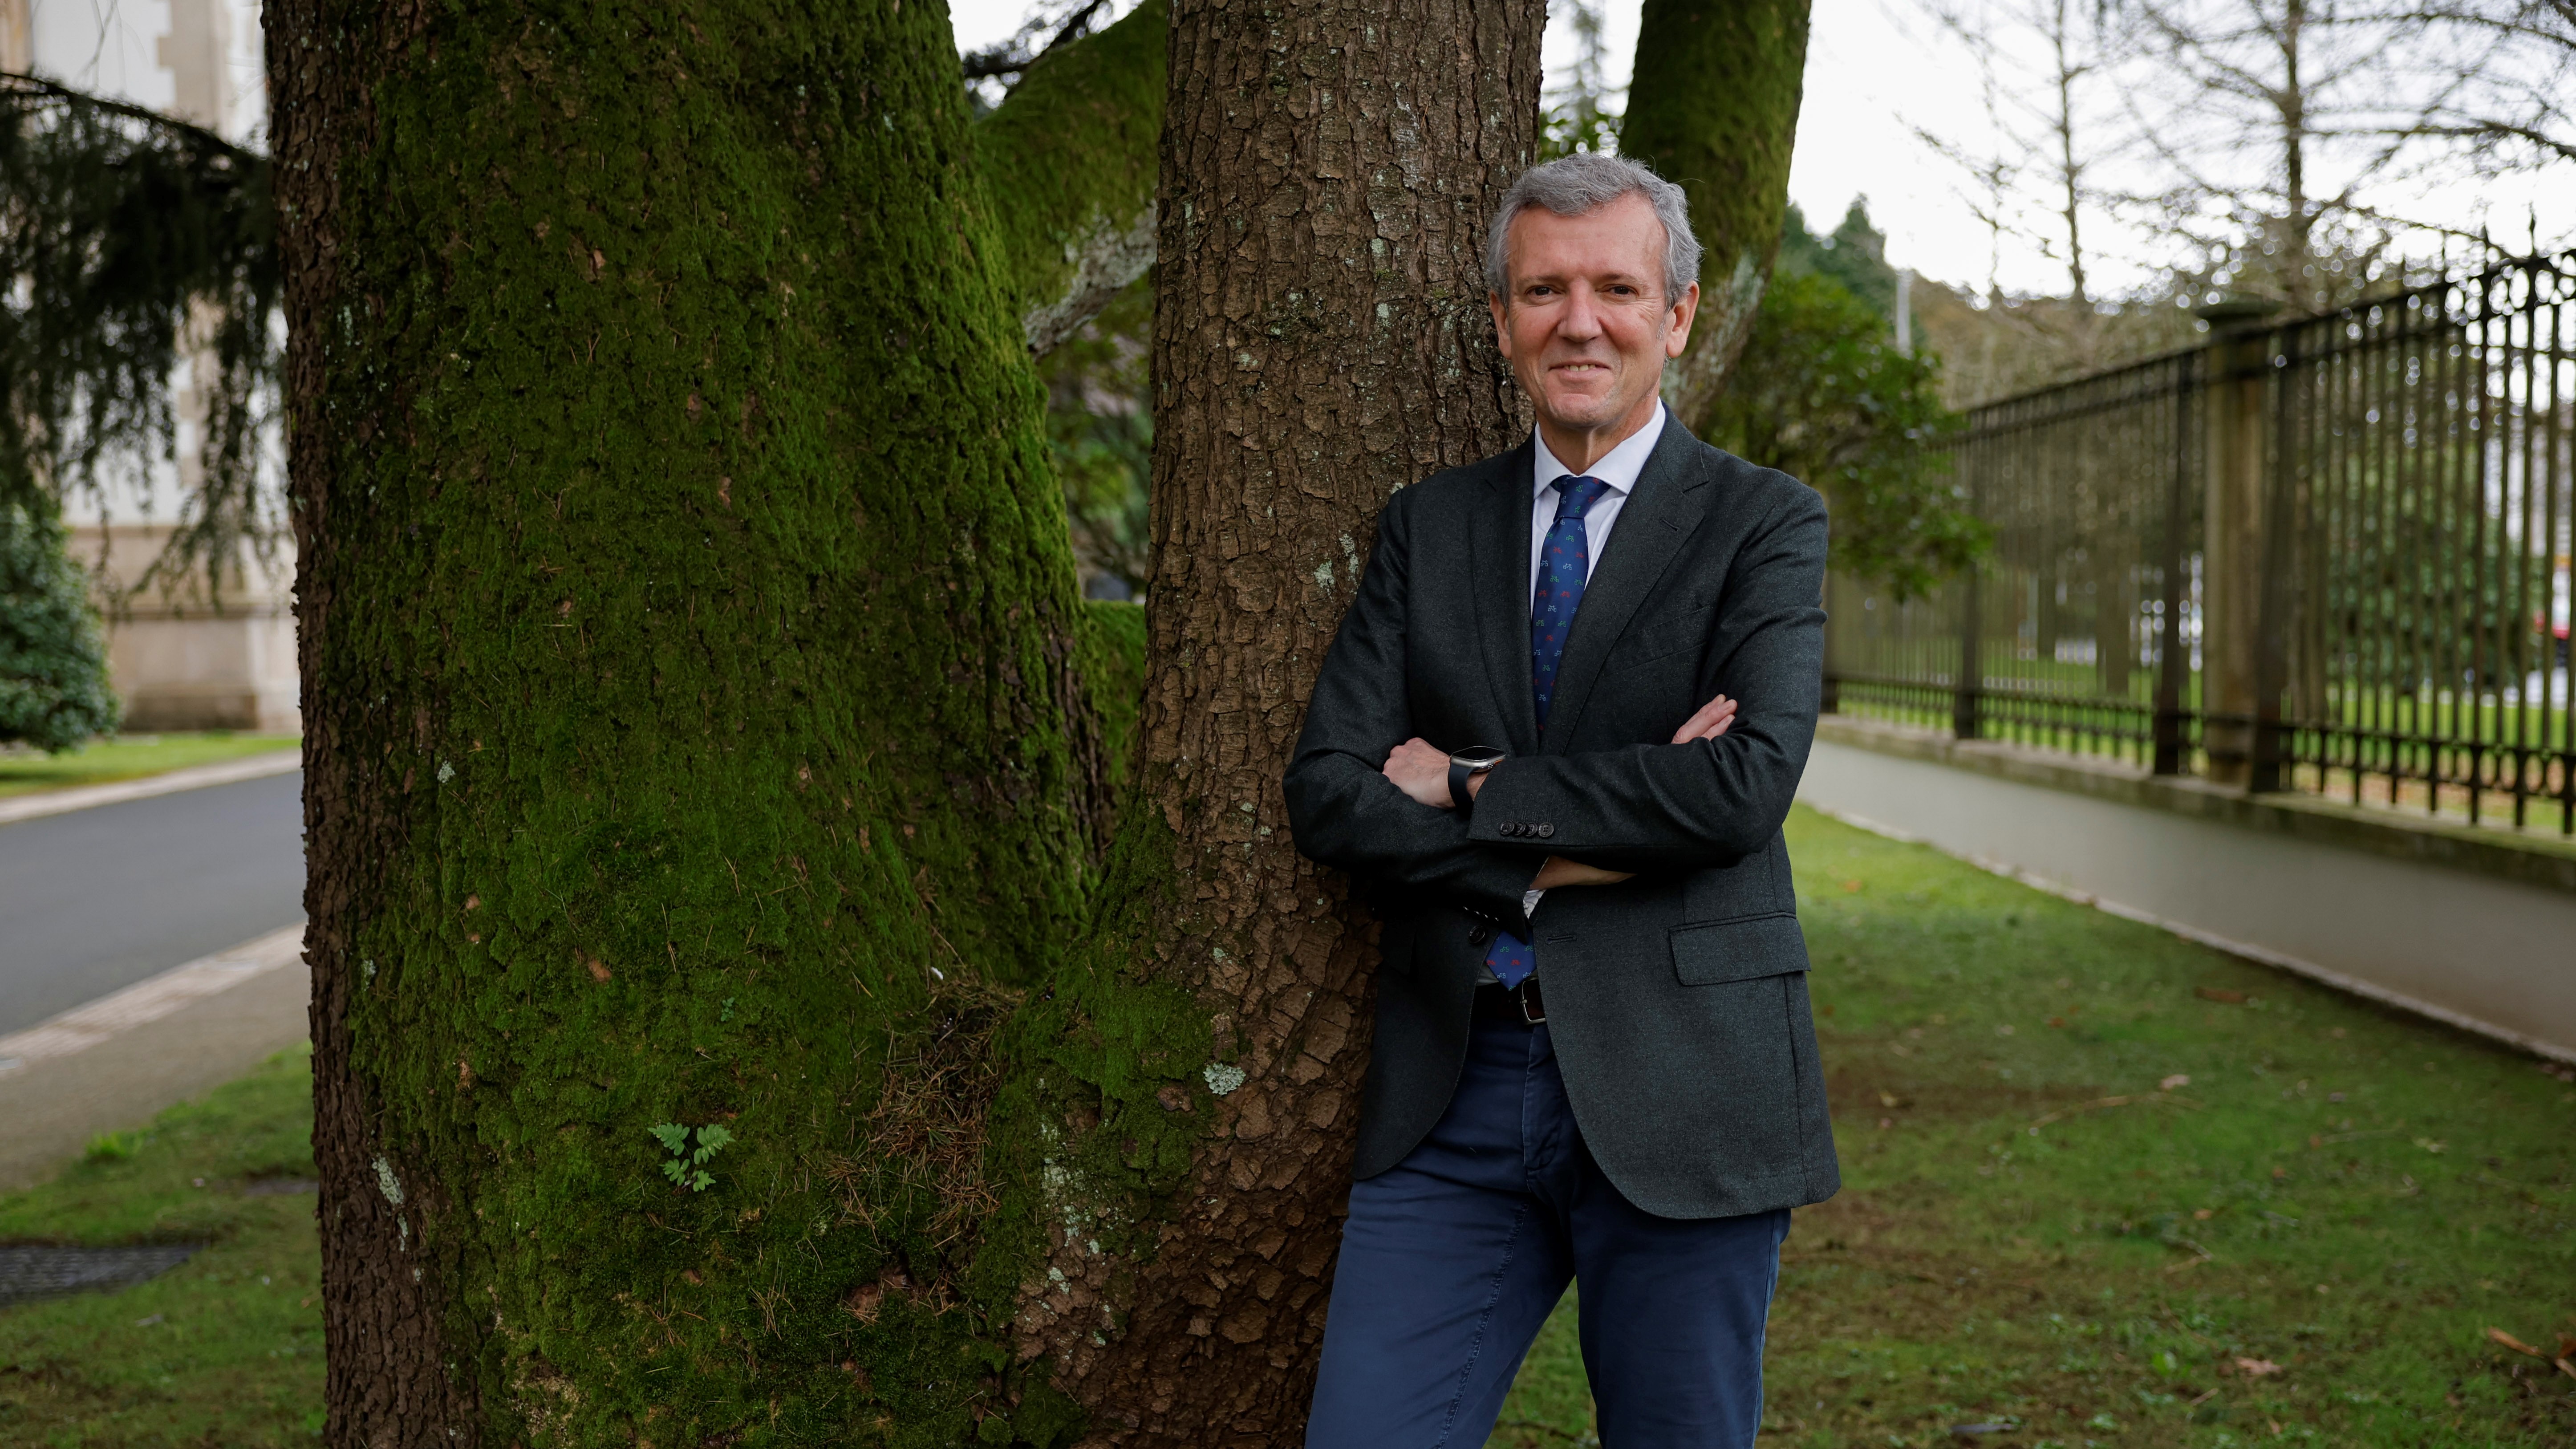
[(187, 656)]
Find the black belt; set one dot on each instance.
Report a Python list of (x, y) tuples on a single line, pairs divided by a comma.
[(1517, 1005)]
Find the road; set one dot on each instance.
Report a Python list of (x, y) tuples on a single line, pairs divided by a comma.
[(98, 899)]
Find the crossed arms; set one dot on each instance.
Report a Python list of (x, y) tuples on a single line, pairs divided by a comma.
[(1421, 770), (1713, 795)]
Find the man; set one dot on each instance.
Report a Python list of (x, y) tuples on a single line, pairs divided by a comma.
[(1557, 735)]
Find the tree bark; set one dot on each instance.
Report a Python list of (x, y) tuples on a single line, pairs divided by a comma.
[(1713, 107), (695, 734), (1329, 167)]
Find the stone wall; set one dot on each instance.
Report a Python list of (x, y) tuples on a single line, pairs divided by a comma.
[(187, 658)]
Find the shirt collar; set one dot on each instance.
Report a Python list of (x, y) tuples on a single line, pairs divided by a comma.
[(1619, 467)]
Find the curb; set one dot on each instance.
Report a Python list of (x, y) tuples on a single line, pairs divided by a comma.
[(195, 777), (150, 999)]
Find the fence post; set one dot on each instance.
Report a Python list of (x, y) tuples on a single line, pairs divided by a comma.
[(2173, 669), (2232, 537), (2269, 738), (1967, 711)]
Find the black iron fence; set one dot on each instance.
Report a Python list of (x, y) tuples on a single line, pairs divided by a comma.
[(2329, 554)]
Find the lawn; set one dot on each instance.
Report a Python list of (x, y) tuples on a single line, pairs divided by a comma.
[(2304, 1243), (124, 757), (225, 1349)]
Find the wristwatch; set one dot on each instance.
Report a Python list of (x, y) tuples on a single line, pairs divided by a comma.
[(1465, 765)]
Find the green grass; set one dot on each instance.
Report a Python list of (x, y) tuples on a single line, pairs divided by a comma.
[(1970, 1272), (2349, 1193), (127, 757), (225, 1349)]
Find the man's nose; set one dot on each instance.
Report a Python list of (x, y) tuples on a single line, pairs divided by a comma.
[(1581, 321)]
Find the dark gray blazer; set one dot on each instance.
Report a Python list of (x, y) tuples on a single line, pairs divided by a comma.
[(1678, 1000)]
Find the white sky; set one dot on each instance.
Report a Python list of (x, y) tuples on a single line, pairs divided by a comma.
[(1876, 70)]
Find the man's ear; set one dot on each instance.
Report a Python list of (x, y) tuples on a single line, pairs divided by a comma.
[(1677, 338), (1502, 330)]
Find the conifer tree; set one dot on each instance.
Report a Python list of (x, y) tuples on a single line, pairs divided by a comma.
[(54, 690)]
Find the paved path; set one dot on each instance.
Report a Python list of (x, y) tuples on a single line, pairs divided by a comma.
[(52, 1107), (122, 936), (99, 899)]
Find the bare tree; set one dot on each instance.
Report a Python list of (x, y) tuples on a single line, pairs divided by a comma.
[(2293, 148), (2061, 143), (2279, 128), (2042, 66), (2518, 112)]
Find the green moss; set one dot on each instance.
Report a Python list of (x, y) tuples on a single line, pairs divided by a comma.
[(1713, 106), (1073, 153), (1113, 662), (1081, 1127), (701, 613)]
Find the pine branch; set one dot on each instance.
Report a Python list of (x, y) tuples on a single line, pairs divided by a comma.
[(37, 87), (130, 243)]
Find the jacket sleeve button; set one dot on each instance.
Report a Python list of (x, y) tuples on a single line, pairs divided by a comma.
[(1546, 832)]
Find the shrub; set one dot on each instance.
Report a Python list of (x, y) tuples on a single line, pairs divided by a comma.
[(54, 691)]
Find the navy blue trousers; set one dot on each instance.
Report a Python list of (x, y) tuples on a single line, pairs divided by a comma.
[(1452, 1260)]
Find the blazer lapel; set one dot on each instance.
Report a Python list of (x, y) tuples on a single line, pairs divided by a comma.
[(1661, 513), (1498, 560)]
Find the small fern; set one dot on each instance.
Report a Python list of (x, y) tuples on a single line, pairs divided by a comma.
[(690, 1148)]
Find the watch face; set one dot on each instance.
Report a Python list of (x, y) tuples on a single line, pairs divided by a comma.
[(1477, 757)]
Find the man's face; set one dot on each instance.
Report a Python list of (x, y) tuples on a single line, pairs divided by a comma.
[(1586, 326)]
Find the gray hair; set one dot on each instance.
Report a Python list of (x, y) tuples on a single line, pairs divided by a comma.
[(1585, 182)]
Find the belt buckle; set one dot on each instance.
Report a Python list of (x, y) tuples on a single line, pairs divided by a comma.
[(1522, 994)]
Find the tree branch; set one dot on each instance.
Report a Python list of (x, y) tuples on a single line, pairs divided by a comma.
[(1011, 57), (1069, 161), (37, 87)]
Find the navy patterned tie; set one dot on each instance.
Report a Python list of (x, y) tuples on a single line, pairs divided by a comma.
[(1564, 563)]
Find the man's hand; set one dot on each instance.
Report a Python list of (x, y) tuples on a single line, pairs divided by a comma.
[(1422, 771), (1709, 723)]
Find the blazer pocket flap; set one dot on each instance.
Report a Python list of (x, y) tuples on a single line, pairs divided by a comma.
[(1744, 949)]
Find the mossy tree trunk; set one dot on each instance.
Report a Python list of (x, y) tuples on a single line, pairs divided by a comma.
[(698, 729), (1713, 106), (1320, 341), (695, 730), (1071, 159)]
